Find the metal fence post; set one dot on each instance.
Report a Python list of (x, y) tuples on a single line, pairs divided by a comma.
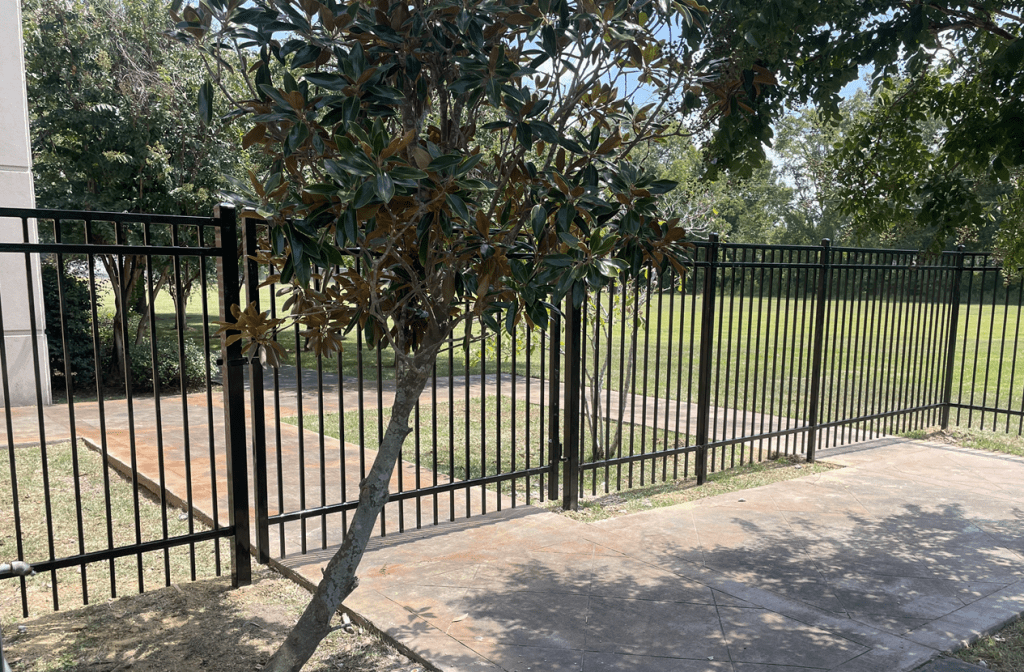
[(234, 398), (954, 320), (257, 415), (824, 269), (707, 326), (554, 402), (573, 383)]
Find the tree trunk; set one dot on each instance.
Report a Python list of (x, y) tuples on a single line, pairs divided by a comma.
[(143, 327), (340, 575), (591, 402), (117, 362), (121, 284)]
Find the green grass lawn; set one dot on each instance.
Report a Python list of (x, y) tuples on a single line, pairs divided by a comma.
[(494, 437), (497, 437), (1000, 652), (481, 355), (980, 439), (879, 354), (93, 496), (774, 331)]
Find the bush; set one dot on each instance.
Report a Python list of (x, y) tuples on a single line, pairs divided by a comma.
[(78, 322), (78, 331), (141, 358), (166, 363)]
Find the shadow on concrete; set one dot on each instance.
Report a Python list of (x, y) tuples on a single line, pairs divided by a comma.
[(861, 571)]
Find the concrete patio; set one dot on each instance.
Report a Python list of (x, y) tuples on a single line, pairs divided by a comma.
[(913, 549)]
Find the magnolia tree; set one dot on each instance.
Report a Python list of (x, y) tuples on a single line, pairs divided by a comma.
[(474, 156)]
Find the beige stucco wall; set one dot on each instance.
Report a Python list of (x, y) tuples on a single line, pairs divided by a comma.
[(16, 191)]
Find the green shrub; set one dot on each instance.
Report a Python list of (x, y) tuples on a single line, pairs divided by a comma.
[(167, 360), (167, 363), (78, 328)]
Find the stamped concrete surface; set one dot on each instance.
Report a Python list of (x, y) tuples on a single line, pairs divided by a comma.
[(913, 549)]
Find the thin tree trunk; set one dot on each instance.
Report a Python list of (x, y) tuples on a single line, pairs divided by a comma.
[(592, 406), (121, 284), (601, 449), (613, 445), (340, 574), (117, 362), (144, 319), (591, 393), (589, 418)]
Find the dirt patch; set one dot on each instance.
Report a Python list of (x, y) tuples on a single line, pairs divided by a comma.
[(939, 436), (193, 626)]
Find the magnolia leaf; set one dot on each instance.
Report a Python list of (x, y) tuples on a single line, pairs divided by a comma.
[(385, 187), (255, 135), (206, 102)]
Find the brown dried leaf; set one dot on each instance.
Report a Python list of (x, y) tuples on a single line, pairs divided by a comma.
[(398, 144), (610, 144), (421, 157), (256, 134)]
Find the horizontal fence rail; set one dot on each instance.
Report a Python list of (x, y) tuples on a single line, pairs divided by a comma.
[(116, 461)]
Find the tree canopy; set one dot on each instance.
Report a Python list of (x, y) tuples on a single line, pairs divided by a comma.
[(114, 128), (817, 48), (941, 147), (898, 173), (108, 94), (483, 148)]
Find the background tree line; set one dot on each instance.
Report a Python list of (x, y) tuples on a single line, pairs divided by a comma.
[(114, 128)]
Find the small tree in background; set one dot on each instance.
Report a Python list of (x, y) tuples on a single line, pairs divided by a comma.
[(475, 155)]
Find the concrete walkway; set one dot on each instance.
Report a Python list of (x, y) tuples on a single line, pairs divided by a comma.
[(909, 551), (914, 548)]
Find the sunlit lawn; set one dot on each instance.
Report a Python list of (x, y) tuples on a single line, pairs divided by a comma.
[(878, 354), (494, 436), (106, 504)]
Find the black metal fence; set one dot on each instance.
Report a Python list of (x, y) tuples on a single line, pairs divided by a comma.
[(119, 463), (801, 348), (757, 351)]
